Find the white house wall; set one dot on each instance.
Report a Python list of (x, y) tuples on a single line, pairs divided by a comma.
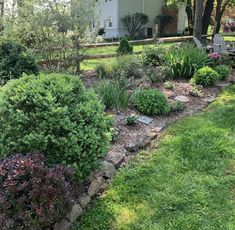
[(109, 9), (150, 7)]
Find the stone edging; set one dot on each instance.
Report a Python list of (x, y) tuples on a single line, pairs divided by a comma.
[(101, 178)]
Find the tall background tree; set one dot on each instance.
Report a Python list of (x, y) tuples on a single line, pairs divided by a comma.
[(211, 8), (52, 29), (197, 32)]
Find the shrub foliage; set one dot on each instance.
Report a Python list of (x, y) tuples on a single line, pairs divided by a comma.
[(223, 71), (14, 61), (124, 47), (153, 56), (206, 76), (32, 196), (151, 102), (56, 115)]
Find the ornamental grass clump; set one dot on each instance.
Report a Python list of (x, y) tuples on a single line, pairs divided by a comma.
[(32, 195), (57, 116), (151, 102)]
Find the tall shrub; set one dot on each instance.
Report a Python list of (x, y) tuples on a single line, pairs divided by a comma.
[(56, 115), (134, 23), (14, 61), (124, 47)]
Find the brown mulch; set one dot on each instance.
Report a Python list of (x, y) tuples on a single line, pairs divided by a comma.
[(128, 134)]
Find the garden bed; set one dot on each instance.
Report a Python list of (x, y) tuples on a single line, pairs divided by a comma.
[(131, 139)]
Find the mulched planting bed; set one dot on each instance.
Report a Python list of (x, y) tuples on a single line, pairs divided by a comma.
[(131, 134)]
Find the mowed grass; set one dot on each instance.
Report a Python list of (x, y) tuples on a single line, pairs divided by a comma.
[(187, 182), (92, 63)]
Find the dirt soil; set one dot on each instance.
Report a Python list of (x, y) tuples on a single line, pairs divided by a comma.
[(129, 134)]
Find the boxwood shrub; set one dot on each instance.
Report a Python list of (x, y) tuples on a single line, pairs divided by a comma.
[(205, 76), (57, 116), (223, 71), (151, 102), (14, 61), (33, 196)]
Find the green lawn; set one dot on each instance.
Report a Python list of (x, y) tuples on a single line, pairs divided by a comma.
[(229, 38), (91, 64), (186, 183), (112, 49)]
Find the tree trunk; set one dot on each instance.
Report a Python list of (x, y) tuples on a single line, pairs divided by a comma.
[(219, 13), (207, 16), (189, 12), (198, 20)]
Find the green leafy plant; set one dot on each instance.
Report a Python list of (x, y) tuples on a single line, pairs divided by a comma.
[(14, 61), (128, 66), (150, 102), (168, 85), (223, 71), (153, 56), (196, 91), (33, 196), (101, 70), (157, 74), (131, 120), (205, 76), (124, 47), (177, 106), (185, 61), (57, 116), (114, 93)]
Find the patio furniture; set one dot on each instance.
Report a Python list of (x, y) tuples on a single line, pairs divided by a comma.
[(219, 45), (201, 46)]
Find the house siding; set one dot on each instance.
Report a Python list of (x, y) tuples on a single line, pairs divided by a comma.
[(109, 9), (150, 7), (117, 9)]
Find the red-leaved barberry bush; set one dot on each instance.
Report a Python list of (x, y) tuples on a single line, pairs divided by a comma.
[(32, 195)]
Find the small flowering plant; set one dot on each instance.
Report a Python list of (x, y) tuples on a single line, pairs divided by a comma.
[(214, 59), (229, 27), (32, 195)]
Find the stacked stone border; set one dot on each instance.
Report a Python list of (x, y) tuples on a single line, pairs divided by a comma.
[(100, 179)]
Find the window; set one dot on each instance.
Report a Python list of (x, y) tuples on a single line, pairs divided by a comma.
[(110, 22)]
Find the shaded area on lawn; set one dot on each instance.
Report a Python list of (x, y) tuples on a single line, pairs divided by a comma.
[(186, 182)]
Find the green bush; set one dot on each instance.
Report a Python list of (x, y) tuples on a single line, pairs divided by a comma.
[(223, 71), (151, 102), (128, 66), (157, 74), (114, 93), (177, 106), (205, 76), (57, 116), (185, 61), (14, 61), (124, 47), (153, 56)]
